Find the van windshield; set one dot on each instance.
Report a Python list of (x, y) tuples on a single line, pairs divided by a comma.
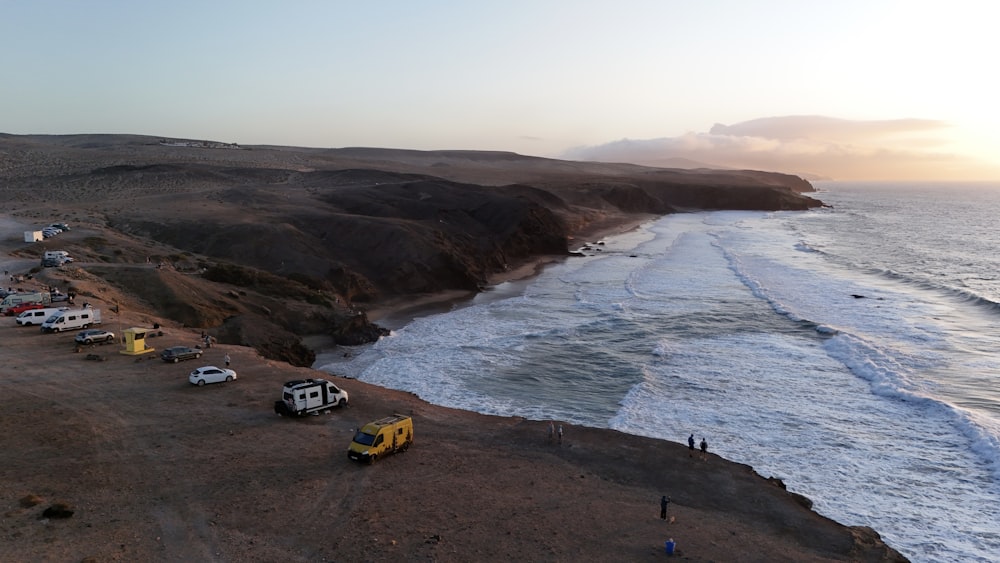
[(364, 438)]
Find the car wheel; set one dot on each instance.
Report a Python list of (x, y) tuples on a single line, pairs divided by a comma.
[(196, 356), (56, 329), (341, 402), (371, 459), (201, 383), (229, 378), (175, 360), (109, 338)]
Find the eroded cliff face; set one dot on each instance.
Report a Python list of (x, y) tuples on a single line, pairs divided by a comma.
[(368, 235), (302, 240)]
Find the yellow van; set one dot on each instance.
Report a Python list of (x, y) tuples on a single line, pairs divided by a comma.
[(384, 436)]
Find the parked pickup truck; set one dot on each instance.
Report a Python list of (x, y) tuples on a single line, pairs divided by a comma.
[(14, 299)]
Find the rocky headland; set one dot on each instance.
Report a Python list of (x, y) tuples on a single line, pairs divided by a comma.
[(112, 457), (262, 245)]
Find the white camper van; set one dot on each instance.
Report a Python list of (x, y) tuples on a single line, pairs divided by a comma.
[(72, 320), (57, 256), (310, 396), (37, 316)]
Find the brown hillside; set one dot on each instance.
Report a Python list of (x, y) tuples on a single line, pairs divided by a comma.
[(282, 234), (113, 455)]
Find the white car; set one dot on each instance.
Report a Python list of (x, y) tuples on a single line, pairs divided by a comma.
[(211, 374)]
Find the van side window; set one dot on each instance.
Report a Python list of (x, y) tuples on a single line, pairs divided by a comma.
[(313, 394), (302, 395), (379, 439)]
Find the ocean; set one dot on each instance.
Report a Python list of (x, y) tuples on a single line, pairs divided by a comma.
[(852, 351)]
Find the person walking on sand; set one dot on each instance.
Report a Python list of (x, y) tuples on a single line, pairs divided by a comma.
[(560, 433), (226, 359), (664, 502)]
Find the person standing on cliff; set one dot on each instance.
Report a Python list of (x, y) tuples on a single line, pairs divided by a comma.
[(664, 502), (704, 446), (560, 433), (691, 442), (552, 431)]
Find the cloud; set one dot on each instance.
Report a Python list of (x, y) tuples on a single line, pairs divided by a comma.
[(817, 127), (811, 146)]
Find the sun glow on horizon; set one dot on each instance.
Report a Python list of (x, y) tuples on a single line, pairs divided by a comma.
[(579, 79)]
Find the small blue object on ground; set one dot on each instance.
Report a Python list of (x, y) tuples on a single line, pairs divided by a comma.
[(669, 547)]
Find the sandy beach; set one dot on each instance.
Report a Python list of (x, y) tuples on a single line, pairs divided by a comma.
[(397, 312)]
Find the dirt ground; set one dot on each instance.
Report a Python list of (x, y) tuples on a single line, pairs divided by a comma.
[(155, 469)]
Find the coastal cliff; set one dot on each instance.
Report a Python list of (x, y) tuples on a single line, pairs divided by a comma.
[(303, 241), (259, 246)]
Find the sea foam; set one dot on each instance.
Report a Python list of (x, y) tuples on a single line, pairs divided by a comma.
[(865, 390)]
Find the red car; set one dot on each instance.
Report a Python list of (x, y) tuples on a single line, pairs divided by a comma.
[(18, 309)]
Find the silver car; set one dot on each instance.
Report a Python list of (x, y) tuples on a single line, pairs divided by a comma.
[(94, 335)]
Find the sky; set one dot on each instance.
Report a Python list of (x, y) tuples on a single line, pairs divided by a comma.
[(847, 90)]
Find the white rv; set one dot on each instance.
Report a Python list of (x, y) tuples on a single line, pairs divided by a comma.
[(60, 256), (72, 320), (37, 316), (310, 396)]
